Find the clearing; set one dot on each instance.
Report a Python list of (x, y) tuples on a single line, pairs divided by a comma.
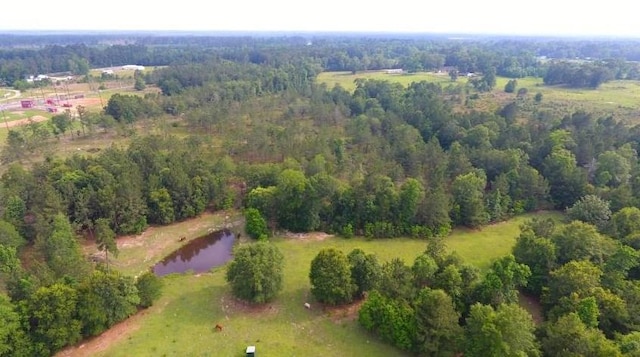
[(182, 322)]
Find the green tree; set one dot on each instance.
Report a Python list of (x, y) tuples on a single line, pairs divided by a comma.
[(582, 241), (538, 97), (9, 236), (256, 272), (366, 272), (149, 289), (502, 281), (591, 209), (13, 339), (61, 123), (511, 85), (105, 239), (139, 84), (539, 254), (255, 224), (625, 222), (330, 277), (62, 250), (397, 280), (507, 331), (580, 277), (104, 299), (392, 320), (424, 270), (468, 199), (437, 330), (51, 312), (569, 337)]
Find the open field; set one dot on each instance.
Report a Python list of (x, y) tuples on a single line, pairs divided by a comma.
[(182, 322), (347, 80), (619, 98)]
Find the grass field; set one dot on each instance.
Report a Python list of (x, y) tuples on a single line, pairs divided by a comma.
[(182, 322), (618, 98)]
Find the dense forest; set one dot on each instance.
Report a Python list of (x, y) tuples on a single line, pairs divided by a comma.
[(245, 125)]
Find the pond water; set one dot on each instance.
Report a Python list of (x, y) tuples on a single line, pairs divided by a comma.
[(199, 255)]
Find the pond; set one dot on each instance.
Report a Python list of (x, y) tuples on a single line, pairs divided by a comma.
[(199, 255)]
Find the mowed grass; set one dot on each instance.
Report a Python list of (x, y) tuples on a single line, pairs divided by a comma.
[(182, 322), (347, 80)]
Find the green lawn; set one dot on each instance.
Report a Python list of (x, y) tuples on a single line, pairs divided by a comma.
[(182, 322)]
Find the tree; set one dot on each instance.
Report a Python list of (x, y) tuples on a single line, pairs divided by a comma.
[(105, 238), (139, 85), (453, 74), (502, 281), (397, 280), (625, 222), (256, 272), (104, 299), (582, 241), (9, 236), (62, 250), (392, 320), (437, 329), (507, 331), (255, 224), (468, 198), (51, 314), (13, 339), (365, 271), (569, 337), (330, 277), (539, 254), (580, 277), (61, 122), (538, 97), (149, 289), (511, 85), (591, 209)]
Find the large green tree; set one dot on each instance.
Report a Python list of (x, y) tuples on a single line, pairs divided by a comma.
[(437, 330), (256, 272), (330, 277), (506, 331), (468, 199)]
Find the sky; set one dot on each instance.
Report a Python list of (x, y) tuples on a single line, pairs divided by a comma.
[(612, 18)]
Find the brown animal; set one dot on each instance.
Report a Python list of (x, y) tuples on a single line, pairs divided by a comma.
[(182, 239), (218, 327)]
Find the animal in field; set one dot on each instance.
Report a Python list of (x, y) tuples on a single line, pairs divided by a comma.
[(307, 305), (218, 328), (182, 239)]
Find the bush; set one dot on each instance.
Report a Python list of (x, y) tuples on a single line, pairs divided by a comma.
[(255, 224), (149, 289)]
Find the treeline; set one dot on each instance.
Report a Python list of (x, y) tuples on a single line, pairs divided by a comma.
[(512, 58)]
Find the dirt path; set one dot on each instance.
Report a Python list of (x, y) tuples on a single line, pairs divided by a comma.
[(101, 342)]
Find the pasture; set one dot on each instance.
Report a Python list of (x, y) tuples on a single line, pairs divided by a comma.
[(182, 322), (620, 98)]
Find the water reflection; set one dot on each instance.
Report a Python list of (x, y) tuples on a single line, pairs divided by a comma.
[(200, 255)]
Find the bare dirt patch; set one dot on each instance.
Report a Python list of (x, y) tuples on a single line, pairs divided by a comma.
[(101, 342), (25, 121), (231, 305), (344, 313), (315, 236)]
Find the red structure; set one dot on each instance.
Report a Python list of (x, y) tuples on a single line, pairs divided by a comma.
[(28, 103)]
